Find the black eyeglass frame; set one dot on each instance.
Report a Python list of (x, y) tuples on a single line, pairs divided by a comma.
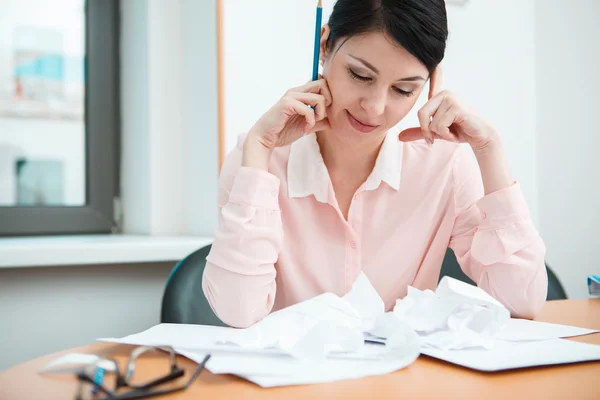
[(124, 381)]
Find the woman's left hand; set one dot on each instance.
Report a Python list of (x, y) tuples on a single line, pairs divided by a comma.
[(444, 117)]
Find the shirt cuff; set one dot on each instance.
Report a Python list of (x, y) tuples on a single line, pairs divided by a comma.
[(503, 207), (255, 187)]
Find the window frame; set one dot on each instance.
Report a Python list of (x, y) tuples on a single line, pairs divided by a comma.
[(102, 136)]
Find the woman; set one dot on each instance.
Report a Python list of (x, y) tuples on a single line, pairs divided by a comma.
[(313, 196)]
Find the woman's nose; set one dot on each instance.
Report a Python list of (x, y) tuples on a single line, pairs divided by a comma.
[(374, 103)]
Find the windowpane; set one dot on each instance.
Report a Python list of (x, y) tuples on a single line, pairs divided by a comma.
[(42, 103)]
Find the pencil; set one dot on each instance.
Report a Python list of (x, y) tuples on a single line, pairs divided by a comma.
[(315, 74)]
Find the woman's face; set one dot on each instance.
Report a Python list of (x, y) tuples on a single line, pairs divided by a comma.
[(374, 83)]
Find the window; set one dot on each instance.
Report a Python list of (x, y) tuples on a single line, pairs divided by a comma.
[(59, 116)]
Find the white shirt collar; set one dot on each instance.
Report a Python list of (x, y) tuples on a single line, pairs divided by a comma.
[(307, 173)]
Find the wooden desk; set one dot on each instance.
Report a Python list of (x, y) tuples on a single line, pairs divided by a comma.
[(426, 378)]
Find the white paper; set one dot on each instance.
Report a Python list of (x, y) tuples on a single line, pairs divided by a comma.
[(73, 362), (511, 355), (526, 330), (366, 301), (457, 315), (283, 370), (318, 340), (323, 339)]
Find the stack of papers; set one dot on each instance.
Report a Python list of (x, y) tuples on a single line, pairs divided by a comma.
[(329, 338)]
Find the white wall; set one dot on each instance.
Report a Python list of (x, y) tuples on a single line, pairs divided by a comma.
[(568, 84), (481, 68), (43, 310), (169, 115), (269, 49)]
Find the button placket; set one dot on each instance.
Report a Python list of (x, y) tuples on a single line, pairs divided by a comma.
[(353, 247)]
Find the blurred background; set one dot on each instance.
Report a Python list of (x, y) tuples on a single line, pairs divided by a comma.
[(115, 118), (42, 142)]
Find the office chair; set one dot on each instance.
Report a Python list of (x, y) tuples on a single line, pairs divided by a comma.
[(450, 267), (183, 299)]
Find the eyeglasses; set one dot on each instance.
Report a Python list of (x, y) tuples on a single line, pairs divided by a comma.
[(140, 385)]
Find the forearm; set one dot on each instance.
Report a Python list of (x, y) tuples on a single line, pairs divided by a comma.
[(494, 167), (239, 279), (240, 299), (495, 241)]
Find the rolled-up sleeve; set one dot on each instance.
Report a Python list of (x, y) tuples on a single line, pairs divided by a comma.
[(239, 278), (495, 241)]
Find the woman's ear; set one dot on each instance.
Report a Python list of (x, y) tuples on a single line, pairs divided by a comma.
[(323, 48)]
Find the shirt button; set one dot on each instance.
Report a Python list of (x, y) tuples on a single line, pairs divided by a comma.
[(483, 215), (353, 244)]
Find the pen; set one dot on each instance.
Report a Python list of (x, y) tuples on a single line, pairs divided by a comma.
[(369, 341), (315, 74)]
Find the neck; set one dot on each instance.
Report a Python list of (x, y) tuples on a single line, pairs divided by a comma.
[(348, 159)]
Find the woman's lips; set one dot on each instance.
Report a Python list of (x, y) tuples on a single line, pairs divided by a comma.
[(360, 126)]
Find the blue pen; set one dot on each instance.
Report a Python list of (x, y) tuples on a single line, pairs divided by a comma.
[(98, 378), (315, 74)]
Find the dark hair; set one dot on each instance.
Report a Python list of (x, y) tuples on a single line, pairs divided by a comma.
[(420, 26)]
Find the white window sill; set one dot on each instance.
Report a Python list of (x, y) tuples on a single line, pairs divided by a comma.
[(95, 249)]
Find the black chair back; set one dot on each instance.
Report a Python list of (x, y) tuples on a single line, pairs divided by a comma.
[(450, 267), (183, 299)]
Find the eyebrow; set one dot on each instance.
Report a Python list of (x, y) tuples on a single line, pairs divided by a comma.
[(372, 68)]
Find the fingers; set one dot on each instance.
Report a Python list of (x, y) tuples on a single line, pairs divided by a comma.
[(426, 113), (312, 99), (444, 117), (319, 87), (299, 108), (435, 81), (435, 118), (410, 135)]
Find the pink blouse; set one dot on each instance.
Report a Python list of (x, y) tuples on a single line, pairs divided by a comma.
[(282, 239)]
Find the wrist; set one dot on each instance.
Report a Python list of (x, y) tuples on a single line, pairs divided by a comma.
[(255, 153), (491, 145), (493, 165)]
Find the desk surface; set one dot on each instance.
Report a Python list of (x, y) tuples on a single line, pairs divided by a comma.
[(426, 378)]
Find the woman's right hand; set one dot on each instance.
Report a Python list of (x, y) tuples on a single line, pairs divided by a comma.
[(292, 116)]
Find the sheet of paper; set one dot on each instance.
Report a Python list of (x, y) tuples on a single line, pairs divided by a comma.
[(526, 330), (511, 355), (178, 335), (323, 339), (283, 370), (318, 340)]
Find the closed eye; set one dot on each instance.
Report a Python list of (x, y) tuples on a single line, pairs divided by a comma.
[(403, 92), (361, 78), (358, 77)]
